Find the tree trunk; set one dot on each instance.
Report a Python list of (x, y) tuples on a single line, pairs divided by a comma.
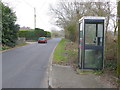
[(118, 59)]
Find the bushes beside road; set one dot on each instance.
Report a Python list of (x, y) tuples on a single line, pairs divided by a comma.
[(33, 34), (9, 28), (28, 34)]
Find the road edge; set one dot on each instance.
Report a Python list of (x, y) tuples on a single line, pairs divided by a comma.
[(50, 69), (2, 51)]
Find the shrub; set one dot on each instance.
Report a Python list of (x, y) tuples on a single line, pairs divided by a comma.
[(9, 28), (110, 51), (33, 34)]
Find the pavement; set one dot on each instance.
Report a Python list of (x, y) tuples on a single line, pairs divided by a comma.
[(27, 66), (66, 77)]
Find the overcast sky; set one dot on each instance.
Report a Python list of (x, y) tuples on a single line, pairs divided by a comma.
[(25, 13)]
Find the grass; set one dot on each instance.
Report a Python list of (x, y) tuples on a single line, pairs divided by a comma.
[(21, 44), (58, 53), (28, 30), (65, 53), (4, 47), (31, 40), (79, 71), (97, 72)]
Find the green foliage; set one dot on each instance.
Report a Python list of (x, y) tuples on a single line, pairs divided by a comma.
[(58, 53), (98, 72), (48, 34), (66, 53), (33, 34), (40, 33), (10, 29), (81, 72), (27, 34), (88, 71), (21, 44), (4, 47)]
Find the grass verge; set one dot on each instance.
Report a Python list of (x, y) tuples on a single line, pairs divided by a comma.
[(21, 44), (65, 53), (58, 53), (4, 47)]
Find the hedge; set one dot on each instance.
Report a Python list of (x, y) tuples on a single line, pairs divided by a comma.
[(33, 34)]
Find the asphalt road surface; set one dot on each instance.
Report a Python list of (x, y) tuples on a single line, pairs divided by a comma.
[(26, 66)]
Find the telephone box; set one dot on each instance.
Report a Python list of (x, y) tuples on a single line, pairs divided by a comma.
[(91, 42)]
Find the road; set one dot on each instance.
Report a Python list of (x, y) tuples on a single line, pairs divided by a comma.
[(27, 66)]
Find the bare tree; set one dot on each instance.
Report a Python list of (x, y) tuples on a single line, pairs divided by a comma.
[(68, 14)]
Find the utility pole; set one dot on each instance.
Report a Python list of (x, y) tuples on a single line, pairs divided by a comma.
[(34, 18)]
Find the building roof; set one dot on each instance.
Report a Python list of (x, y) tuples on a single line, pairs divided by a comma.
[(24, 28)]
